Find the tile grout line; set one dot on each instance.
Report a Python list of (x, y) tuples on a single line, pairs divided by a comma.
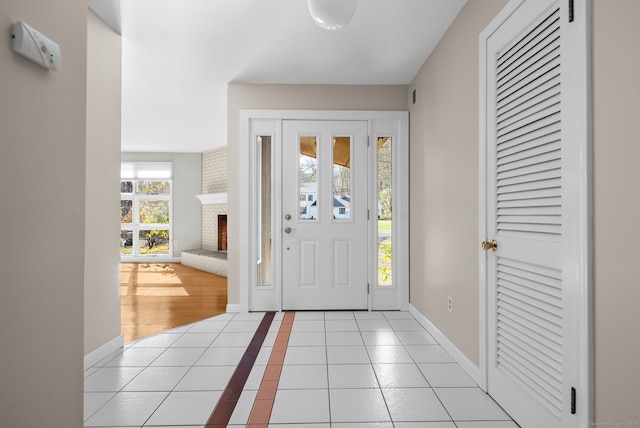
[(229, 399), (122, 389), (326, 356), (130, 345), (375, 373), (265, 398), (404, 346), (275, 357)]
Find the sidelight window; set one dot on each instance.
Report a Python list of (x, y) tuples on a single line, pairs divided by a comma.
[(385, 211)]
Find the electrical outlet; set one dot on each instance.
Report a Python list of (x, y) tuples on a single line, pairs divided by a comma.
[(450, 304)]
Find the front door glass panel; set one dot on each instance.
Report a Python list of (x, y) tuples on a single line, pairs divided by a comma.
[(341, 178), (308, 178)]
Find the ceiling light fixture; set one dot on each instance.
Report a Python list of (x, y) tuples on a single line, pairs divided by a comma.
[(332, 14)]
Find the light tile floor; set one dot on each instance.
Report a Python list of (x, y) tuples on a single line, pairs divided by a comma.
[(341, 369)]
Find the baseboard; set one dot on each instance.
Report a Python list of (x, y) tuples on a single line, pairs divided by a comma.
[(448, 346), (150, 259), (233, 308), (103, 351)]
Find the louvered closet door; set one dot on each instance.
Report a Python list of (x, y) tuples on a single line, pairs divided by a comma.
[(527, 338)]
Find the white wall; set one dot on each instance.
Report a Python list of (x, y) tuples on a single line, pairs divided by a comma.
[(616, 68), (102, 226), (444, 129), (443, 179), (300, 97), (187, 172), (42, 188)]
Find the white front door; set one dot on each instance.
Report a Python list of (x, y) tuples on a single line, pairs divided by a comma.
[(324, 208), (531, 361)]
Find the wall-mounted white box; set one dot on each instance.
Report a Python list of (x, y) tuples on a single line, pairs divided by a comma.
[(33, 45)]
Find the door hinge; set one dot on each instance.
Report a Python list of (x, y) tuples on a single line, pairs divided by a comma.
[(368, 214), (573, 401), (571, 11), (368, 140), (368, 288)]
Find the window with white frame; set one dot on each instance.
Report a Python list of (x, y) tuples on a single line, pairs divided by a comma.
[(145, 209)]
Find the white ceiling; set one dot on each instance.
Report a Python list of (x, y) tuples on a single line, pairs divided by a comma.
[(179, 55)]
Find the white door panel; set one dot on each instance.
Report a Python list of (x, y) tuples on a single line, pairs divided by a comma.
[(528, 338), (325, 215), (308, 256)]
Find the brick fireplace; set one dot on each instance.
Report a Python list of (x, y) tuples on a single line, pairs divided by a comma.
[(212, 256)]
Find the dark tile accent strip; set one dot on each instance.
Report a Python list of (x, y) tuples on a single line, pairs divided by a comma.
[(226, 405), (263, 404)]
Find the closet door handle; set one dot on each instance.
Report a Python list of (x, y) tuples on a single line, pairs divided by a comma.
[(493, 245)]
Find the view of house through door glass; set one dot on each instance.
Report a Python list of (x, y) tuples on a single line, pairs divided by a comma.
[(145, 209), (324, 205)]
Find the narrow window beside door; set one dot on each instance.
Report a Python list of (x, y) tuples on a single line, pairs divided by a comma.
[(384, 211), (264, 210)]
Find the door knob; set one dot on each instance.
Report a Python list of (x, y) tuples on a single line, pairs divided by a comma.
[(493, 245), (288, 230)]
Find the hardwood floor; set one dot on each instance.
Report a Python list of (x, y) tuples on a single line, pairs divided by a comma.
[(160, 296)]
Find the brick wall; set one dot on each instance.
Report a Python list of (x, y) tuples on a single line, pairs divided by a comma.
[(214, 180)]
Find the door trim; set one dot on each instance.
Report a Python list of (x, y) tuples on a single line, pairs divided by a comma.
[(577, 127), (269, 122)]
